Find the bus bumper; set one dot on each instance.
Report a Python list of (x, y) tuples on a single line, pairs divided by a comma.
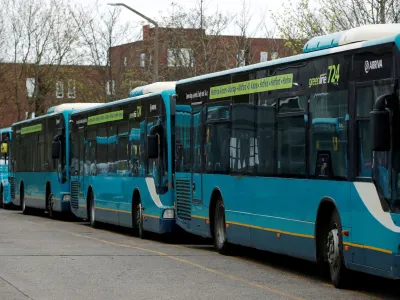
[(62, 204)]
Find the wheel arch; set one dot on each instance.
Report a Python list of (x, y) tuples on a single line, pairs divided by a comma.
[(326, 207), (216, 194)]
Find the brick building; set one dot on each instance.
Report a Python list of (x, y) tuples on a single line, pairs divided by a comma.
[(28, 89), (187, 52)]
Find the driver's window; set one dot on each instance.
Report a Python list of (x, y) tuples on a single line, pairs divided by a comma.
[(365, 99)]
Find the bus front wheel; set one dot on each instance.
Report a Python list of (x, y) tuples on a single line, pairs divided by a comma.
[(220, 240), (138, 220), (334, 247)]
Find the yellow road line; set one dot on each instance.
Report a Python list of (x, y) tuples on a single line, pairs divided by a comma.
[(226, 275)]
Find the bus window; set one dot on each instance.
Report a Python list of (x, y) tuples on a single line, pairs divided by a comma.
[(328, 130), (292, 136), (217, 139)]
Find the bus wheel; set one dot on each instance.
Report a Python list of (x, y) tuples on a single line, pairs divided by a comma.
[(92, 212), (49, 208), (25, 209), (220, 242), (138, 220), (337, 269)]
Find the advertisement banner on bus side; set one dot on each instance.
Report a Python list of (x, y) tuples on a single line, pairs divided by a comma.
[(252, 86)]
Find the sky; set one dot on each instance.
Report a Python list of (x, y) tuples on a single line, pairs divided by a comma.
[(154, 9)]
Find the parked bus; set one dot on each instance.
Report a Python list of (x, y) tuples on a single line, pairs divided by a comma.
[(39, 169), (122, 161), (5, 192), (279, 155)]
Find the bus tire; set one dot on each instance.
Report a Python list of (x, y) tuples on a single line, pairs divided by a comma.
[(337, 269), (220, 241), (92, 211), (49, 205), (137, 220), (25, 210)]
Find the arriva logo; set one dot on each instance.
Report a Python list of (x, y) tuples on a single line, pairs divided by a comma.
[(373, 65)]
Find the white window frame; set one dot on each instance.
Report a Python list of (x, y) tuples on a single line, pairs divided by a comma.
[(30, 86), (142, 62), (71, 89), (59, 89), (241, 59), (110, 87), (125, 61), (263, 56)]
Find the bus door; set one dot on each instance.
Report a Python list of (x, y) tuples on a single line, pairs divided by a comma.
[(196, 151), (81, 163), (372, 167)]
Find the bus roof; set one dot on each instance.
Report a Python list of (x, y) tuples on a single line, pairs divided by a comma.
[(156, 87), (59, 109), (358, 34), (71, 106), (385, 37), (7, 129), (122, 101)]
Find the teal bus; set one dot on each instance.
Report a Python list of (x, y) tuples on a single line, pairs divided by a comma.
[(5, 191), (122, 161), (39, 167), (298, 155)]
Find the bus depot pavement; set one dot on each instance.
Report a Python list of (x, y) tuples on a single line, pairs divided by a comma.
[(44, 259)]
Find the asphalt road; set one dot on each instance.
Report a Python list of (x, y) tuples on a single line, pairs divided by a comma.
[(63, 259)]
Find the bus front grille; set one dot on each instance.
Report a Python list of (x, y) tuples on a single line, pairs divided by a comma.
[(75, 194), (12, 187), (183, 199)]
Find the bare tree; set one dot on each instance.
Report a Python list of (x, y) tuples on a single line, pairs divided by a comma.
[(298, 23), (99, 31), (42, 35), (194, 44)]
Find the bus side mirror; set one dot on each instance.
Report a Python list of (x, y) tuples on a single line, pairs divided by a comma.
[(56, 150), (4, 148), (380, 130), (152, 146)]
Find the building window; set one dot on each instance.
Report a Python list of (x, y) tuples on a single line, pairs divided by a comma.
[(71, 88), (110, 87), (182, 57), (263, 56), (274, 55), (142, 60), (240, 58), (30, 86), (125, 61), (59, 89)]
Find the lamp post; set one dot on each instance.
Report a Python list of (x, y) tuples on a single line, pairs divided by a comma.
[(156, 50)]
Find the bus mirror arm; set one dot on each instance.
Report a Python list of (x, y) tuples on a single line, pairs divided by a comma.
[(380, 123)]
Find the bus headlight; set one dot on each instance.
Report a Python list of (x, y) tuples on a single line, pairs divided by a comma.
[(66, 198), (169, 214)]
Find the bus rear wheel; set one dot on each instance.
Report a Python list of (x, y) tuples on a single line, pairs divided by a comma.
[(334, 247), (25, 209), (49, 206), (92, 212), (220, 240)]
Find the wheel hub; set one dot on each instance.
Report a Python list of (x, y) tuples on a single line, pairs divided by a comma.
[(333, 249)]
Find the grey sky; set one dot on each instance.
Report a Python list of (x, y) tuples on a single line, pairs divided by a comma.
[(157, 8)]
